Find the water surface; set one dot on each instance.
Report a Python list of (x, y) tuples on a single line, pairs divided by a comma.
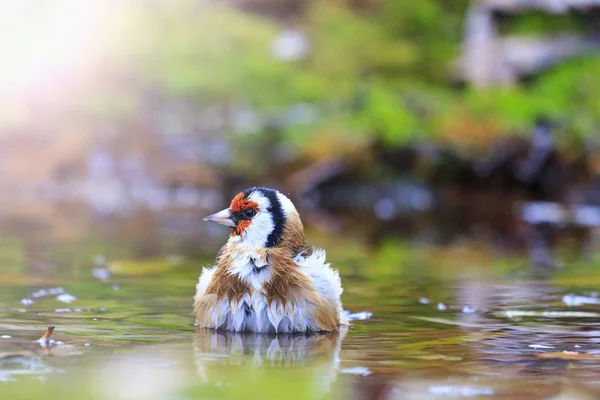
[(453, 321)]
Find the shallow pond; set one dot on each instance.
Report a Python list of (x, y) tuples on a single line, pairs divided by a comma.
[(455, 321)]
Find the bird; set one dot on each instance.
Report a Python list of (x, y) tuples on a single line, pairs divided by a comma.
[(267, 278)]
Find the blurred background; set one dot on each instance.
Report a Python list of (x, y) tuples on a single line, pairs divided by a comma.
[(445, 153), (432, 119)]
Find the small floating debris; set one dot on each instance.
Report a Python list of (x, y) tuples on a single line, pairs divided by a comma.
[(573, 300), (26, 302), (424, 300), (5, 337), (116, 287), (361, 371), (40, 293), (359, 316), (66, 298), (45, 340), (101, 273), (469, 310), (441, 307), (62, 310), (540, 346), (546, 314)]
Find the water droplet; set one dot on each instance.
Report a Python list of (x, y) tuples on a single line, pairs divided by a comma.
[(66, 298), (362, 371), (468, 309)]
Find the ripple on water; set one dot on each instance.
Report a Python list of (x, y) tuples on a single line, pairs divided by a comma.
[(359, 316), (510, 335)]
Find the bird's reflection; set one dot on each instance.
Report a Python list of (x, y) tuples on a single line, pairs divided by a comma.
[(318, 351)]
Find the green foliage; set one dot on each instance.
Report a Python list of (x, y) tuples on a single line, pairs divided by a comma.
[(572, 92), (348, 47), (569, 93), (434, 27), (381, 72), (213, 52), (542, 23), (217, 54), (386, 114)]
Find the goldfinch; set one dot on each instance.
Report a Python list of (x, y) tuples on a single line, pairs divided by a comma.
[(266, 277)]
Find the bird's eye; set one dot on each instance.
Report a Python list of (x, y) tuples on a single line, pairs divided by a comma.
[(251, 212)]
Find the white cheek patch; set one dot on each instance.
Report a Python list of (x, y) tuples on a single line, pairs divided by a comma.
[(262, 224)]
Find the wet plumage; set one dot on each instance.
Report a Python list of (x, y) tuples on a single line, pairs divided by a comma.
[(266, 277)]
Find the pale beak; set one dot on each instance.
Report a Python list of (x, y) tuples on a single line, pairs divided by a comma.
[(222, 217)]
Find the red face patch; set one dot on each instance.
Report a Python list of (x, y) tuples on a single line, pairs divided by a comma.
[(241, 228), (240, 203)]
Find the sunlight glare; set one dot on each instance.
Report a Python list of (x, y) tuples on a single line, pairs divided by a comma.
[(45, 42)]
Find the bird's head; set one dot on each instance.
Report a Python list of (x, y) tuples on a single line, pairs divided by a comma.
[(257, 216)]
